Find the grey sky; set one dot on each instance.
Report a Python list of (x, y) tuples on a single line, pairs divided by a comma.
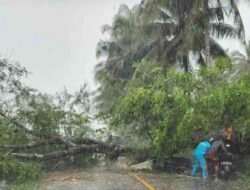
[(234, 44), (56, 39)]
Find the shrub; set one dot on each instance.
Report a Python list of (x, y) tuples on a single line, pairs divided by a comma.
[(13, 170)]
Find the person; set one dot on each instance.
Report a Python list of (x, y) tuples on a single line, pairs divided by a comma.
[(229, 133), (199, 157), (218, 147)]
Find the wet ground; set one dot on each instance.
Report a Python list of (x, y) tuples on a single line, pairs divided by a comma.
[(124, 180)]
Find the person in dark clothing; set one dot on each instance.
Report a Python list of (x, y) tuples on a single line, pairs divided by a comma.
[(217, 147)]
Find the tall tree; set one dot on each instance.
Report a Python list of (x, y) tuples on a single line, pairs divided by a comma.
[(198, 20), (206, 33), (166, 32)]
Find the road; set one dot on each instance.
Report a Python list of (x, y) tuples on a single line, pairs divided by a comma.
[(124, 180)]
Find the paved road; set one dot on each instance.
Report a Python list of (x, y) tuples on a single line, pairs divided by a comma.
[(92, 180), (123, 180)]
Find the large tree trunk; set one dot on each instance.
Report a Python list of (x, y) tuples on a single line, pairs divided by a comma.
[(67, 147), (89, 146)]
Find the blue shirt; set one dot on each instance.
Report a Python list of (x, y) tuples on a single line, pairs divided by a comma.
[(202, 148)]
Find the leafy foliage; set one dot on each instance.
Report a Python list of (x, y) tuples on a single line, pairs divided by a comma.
[(27, 116), (172, 108), (165, 32), (19, 172)]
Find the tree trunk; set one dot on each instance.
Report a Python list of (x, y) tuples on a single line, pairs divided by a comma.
[(185, 63), (206, 34), (112, 151), (70, 147)]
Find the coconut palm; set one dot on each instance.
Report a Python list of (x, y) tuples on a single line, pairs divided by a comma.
[(124, 46), (166, 32), (145, 30), (197, 20), (241, 62)]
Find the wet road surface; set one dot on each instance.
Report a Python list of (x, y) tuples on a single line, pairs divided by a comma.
[(93, 180), (124, 180)]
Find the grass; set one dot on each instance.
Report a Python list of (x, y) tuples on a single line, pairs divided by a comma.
[(29, 185)]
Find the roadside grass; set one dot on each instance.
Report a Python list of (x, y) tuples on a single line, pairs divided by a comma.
[(28, 185)]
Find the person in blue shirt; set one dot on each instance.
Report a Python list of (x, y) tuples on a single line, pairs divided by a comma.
[(199, 157)]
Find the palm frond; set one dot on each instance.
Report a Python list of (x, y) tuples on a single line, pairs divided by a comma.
[(219, 11), (223, 30), (216, 49), (160, 29), (102, 48), (106, 28), (216, 14), (124, 10), (121, 23), (234, 11), (107, 48), (165, 15)]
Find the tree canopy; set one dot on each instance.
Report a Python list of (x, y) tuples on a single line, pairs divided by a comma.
[(148, 85), (164, 84)]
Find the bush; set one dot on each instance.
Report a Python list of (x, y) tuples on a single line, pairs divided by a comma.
[(246, 169), (16, 171), (173, 109)]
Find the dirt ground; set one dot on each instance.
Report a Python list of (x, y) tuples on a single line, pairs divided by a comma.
[(96, 179)]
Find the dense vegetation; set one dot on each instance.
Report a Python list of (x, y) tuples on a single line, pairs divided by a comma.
[(169, 108), (159, 79), (165, 83), (28, 116)]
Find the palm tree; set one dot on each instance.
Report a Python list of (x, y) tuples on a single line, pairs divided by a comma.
[(119, 53), (241, 63), (124, 46), (199, 20), (144, 31), (165, 31), (218, 10), (206, 32)]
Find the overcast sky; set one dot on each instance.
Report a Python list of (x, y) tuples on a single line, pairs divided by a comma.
[(56, 39)]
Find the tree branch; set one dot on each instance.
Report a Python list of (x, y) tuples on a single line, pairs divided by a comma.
[(110, 150), (56, 140), (19, 126), (33, 144)]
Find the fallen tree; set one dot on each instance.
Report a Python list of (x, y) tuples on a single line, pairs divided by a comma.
[(111, 151), (91, 146), (69, 146)]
